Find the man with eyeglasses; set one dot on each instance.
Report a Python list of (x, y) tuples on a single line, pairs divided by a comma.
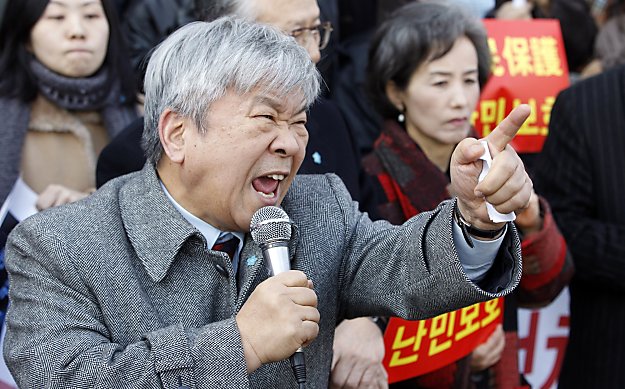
[(318, 34)]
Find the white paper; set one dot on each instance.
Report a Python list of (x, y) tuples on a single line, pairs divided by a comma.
[(494, 216)]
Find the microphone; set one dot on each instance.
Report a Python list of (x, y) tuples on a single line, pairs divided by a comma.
[(271, 230)]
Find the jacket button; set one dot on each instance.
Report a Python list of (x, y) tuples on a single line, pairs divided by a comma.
[(221, 270)]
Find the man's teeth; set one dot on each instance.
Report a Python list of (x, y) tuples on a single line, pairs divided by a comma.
[(276, 177)]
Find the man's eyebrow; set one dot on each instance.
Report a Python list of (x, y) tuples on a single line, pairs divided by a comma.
[(276, 103)]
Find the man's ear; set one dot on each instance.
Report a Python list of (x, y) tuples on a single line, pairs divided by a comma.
[(394, 94), (171, 128)]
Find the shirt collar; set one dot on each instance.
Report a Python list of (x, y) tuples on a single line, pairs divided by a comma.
[(211, 234)]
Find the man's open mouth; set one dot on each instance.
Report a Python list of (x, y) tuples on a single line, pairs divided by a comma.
[(266, 186)]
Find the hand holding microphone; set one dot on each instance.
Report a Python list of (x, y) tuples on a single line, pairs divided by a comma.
[(280, 316)]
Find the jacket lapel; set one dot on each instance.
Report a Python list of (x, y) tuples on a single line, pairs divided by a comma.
[(156, 241), (252, 270)]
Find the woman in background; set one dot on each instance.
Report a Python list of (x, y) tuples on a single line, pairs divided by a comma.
[(427, 63), (65, 89)]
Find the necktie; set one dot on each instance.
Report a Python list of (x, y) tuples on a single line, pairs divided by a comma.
[(228, 244)]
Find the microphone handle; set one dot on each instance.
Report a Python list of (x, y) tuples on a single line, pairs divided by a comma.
[(298, 364), (276, 255)]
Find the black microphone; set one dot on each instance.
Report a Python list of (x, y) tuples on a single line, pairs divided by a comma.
[(271, 229)]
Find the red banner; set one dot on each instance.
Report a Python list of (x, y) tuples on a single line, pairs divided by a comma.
[(529, 66), (414, 348)]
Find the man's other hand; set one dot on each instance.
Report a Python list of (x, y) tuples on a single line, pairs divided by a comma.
[(358, 353)]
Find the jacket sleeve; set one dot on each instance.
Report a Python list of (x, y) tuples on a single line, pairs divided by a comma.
[(413, 271), (57, 335), (547, 263)]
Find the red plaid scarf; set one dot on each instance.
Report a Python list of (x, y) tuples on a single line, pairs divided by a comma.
[(411, 182)]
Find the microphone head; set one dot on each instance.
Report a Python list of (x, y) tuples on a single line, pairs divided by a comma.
[(270, 224)]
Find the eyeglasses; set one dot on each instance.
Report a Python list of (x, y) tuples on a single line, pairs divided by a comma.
[(320, 33)]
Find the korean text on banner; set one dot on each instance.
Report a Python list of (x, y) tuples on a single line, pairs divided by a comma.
[(414, 348), (528, 66)]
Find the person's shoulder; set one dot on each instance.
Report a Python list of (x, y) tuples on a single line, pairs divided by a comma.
[(590, 99), (122, 155), (311, 196), (325, 188), (320, 185), (611, 79), (128, 139), (80, 219), (133, 131)]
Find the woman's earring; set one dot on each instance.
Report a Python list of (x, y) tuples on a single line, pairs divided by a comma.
[(401, 117)]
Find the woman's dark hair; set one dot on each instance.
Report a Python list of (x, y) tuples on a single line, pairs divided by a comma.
[(19, 18), (414, 34)]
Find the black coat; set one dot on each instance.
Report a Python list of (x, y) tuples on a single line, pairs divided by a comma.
[(147, 23), (581, 171)]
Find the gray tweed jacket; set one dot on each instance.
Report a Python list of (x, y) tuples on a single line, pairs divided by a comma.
[(119, 291)]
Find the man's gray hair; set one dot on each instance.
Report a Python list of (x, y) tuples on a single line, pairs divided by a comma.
[(198, 63)]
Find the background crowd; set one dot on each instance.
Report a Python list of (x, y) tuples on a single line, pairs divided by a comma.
[(400, 81)]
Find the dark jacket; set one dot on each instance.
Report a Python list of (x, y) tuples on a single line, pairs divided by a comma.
[(147, 23), (581, 171)]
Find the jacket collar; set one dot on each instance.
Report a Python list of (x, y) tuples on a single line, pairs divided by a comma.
[(156, 230)]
